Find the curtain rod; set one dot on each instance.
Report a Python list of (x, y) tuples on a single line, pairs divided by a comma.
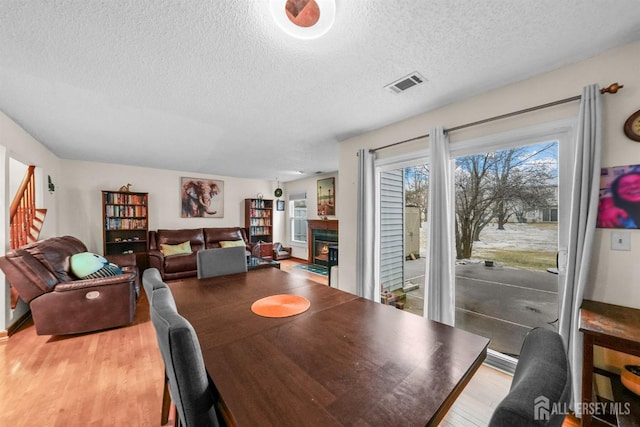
[(612, 88)]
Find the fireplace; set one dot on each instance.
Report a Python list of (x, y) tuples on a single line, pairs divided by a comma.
[(323, 236), (322, 241)]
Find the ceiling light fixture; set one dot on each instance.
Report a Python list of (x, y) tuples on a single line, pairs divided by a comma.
[(304, 19)]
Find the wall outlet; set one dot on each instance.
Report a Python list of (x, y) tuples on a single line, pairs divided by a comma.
[(620, 241)]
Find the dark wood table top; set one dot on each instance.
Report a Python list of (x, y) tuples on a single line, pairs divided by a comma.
[(345, 361), (609, 322)]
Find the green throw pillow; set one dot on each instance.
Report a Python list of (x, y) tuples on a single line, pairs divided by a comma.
[(231, 243), (86, 265), (180, 249)]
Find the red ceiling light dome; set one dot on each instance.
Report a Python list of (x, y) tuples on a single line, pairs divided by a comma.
[(303, 13), (304, 19)]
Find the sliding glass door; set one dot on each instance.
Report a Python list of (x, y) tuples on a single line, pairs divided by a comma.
[(506, 231), (510, 232)]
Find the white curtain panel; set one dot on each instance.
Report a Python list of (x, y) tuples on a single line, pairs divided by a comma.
[(365, 246), (582, 225), (439, 304)]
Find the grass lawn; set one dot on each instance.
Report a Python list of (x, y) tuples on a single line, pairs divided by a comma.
[(531, 246), (525, 259)]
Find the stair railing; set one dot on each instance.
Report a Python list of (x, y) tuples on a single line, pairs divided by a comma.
[(23, 210)]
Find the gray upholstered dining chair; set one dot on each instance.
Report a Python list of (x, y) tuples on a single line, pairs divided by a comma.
[(151, 281), (191, 389), (542, 379), (220, 261)]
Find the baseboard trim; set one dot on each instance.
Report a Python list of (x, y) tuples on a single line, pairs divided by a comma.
[(13, 328)]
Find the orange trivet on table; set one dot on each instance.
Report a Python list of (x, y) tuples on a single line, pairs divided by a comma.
[(280, 306)]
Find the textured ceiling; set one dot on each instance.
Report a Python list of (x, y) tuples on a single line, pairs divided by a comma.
[(215, 87)]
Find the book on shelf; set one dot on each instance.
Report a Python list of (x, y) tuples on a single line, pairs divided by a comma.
[(126, 210), (125, 224), (125, 199), (260, 222), (260, 204), (261, 231), (260, 213)]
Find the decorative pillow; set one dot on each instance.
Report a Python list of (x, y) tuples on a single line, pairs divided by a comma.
[(109, 269), (181, 249), (231, 243), (86, 265)]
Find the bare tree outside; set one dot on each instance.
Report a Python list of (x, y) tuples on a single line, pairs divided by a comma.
[(416, 183), (496, 186), (475, 197), (506, 231)]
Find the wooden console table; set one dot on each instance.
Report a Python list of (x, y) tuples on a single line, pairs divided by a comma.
[(610, 326)]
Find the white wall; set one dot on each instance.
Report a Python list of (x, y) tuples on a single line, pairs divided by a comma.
[(310, 187), (17, 171), (19, 145), (79, 193), (615, 276)]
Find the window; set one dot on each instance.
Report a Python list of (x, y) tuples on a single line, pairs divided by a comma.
[(298, 218)]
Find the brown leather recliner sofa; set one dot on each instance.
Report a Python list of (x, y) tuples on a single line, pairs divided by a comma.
[(62, 304), (185, 265)]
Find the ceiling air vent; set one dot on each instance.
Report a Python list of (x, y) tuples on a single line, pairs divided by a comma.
[(405, 83)]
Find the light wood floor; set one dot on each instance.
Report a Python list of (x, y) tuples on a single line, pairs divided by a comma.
[(114, 378)]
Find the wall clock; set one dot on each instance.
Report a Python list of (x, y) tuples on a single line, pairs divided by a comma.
[(632, 126), (278, 192)]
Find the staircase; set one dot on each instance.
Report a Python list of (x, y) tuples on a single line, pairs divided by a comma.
[(30, 230), (25, 219)]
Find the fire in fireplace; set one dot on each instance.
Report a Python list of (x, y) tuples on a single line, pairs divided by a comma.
[(323, 236), (322, 239)]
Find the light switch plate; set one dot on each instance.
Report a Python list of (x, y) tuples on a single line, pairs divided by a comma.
[(620, 241)]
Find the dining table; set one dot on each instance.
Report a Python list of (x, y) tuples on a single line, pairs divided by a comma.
[(345, 360)]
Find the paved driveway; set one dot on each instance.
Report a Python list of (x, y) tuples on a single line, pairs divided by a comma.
[(500, 303)]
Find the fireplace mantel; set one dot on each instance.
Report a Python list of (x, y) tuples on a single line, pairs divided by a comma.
[(323, 224), (317, 225)]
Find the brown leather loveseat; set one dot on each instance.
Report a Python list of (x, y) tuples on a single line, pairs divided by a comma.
[(172, 267), (63, 304)]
